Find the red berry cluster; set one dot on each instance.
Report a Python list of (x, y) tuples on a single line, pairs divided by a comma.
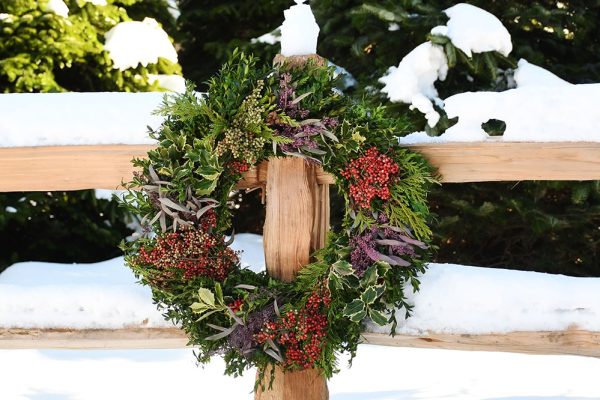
[(238, 167), (209, 220), (370, 177), (196, 252), (236, 305), (301, 333)]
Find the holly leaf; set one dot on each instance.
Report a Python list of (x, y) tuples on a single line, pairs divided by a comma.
[(355, 307), (342, 268), (359, 316), (207, 297), (199, 308), (369, 295), (370, 277)]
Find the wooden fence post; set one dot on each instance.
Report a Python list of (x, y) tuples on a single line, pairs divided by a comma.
[(295, 220)]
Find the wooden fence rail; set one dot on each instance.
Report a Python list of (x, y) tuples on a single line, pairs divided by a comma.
[(104, 167)]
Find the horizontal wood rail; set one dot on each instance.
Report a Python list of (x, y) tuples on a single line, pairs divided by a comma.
[(106, 166), (571, 342)]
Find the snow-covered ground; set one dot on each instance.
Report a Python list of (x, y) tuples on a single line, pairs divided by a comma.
[(452, 299), (378, 373)]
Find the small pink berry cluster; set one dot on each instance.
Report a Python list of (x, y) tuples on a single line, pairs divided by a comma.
[(300, 332), (196, 252), (370, 177)]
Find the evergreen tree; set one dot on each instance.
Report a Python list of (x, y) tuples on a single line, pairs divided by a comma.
[(549, 226), (210, 30), (44, 50)]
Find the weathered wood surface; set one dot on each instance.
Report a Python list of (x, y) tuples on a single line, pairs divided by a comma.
[(513, 161), (105, 166), (570, 342), (126, 338), (291, 233), (67, 167)]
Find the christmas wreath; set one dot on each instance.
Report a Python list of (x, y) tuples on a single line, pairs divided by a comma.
[(206, 143)]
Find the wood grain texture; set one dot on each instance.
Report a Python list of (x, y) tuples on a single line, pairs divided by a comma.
[(512, 161), (299, 385), (126, 338), (570, 342), (290, 215), (292, 231), (67, 167), (105, 166)]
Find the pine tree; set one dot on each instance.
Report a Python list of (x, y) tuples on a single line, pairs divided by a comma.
[(210, 30), (548, 226), (42, 51)]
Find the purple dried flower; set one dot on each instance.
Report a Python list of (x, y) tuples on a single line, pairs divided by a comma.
[(383, 242), (242, 337)]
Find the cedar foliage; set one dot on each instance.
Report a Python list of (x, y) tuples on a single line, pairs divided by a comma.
[(41, 51)]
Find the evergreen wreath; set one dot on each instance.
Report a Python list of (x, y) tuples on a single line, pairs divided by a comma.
[(206, 143)]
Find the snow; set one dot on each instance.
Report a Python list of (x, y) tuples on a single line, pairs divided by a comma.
[(425, 374), (470, 29), (532, 113), (474, 300), (107, 194), (412, 82), (132, 43), (555, 111), (528, 74), (299, 31), (58, 7), (271, 38), (452, 299), (99, 295), (77, 118), (174, 83), (474, 30)]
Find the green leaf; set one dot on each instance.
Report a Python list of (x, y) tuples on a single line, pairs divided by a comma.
[(369, 295), (354, 307), (359, 316), (206, 187), (450, 54), (219, 292), (370, 277), (206, 296), (378, 317), (342, 268), (199, 308)]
